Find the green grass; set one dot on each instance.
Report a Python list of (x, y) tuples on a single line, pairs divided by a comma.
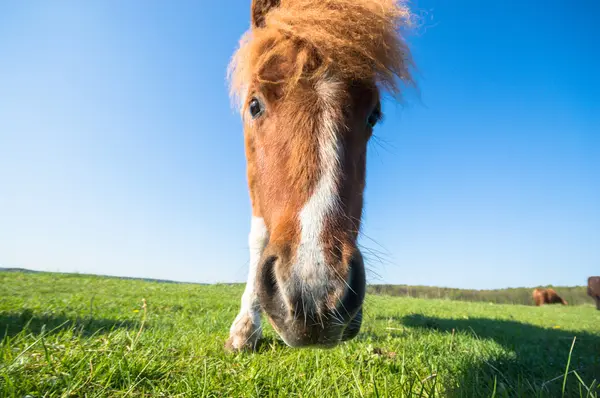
[(574, 295), (69, 335)]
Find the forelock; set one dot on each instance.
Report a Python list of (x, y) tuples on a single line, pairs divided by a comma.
[(354, 40)]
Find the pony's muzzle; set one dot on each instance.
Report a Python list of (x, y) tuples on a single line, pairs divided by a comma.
[(309, 315)]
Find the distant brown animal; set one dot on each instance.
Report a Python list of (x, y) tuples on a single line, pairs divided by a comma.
[(593, 289), (547, 296)]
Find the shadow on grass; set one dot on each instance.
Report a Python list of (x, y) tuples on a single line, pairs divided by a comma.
[(537, 366), (269, 343), (13, 323)]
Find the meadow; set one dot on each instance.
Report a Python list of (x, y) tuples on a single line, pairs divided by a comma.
[(76, 335), (574, 295)]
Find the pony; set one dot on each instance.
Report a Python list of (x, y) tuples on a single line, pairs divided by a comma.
[(547, 296), (308, 78), (593, 289)]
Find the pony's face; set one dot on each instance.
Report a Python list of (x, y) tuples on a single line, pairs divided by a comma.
[(306, 143), (309, 155)]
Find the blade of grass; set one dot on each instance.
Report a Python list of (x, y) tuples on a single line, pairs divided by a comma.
[(568, 364)]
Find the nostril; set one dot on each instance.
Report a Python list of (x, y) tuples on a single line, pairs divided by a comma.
[(355, 290), (268, 276), (270, 293)]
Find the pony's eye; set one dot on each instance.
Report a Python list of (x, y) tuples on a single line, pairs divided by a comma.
[(374, 117), (255, 108)]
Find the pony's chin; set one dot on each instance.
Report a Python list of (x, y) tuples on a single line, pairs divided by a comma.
[(326, 339)]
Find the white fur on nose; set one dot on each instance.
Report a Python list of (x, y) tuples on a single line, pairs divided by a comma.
[(310, 258)]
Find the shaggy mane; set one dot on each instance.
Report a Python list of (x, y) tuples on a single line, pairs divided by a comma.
[(356, 40)]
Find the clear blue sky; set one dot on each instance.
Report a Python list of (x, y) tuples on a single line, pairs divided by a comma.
[(120, 153)]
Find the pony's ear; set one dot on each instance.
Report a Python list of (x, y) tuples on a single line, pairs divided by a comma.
[(259, 10)]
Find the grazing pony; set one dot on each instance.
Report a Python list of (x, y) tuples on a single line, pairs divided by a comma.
[(593, 289), (307, 78), (547, 296)]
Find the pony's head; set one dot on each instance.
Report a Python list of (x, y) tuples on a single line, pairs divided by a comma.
[(308, 76)]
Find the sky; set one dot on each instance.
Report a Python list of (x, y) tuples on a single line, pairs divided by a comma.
[(120, 153)]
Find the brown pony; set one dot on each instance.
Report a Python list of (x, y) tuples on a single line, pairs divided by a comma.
[(547, 296), (593, 289), (308, 76)]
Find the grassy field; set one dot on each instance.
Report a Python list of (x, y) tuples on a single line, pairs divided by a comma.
[(574, 295), (69, 335)]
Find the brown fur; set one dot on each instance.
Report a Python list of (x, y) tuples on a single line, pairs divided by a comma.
[(311, 62), (547, 296), (593, 289), (352, 39), (294, 44)]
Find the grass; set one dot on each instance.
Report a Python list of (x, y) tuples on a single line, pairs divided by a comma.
[(574, 295), (70, 335)]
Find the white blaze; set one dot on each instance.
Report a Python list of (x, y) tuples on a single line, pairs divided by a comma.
[(310, 257)]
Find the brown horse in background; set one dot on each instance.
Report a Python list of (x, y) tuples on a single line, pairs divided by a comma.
[(547, 296), (593, 289)]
